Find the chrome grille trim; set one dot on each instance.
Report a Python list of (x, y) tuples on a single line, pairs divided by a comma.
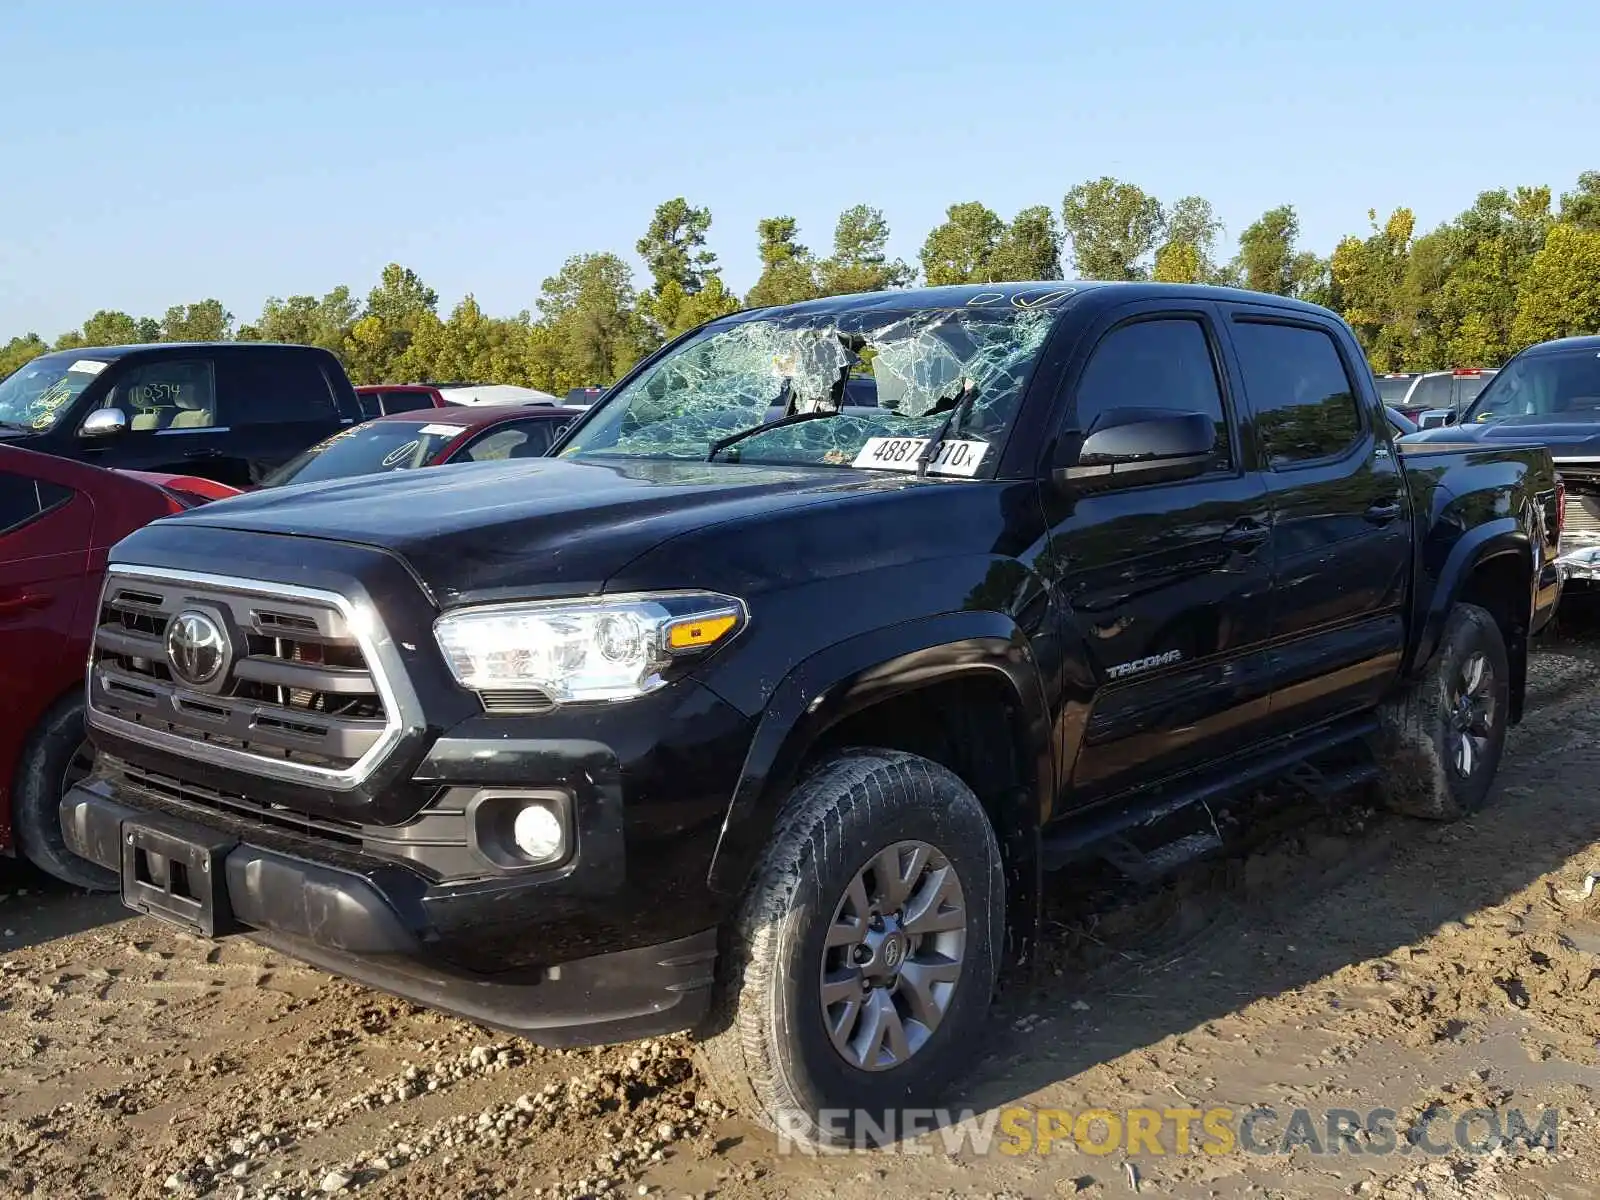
[(205, 710)]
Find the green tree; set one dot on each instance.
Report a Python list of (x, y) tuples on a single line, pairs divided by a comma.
[(962, 249), (860, 260), (1029, 249), (20, 350), (109, 328), (589, 309), (1113, 226), (1560, 293), (206, 321), (306, 320), (1268, 258), (1580, 208), (1367, 277), (398, 309), (674, 247), (1188, 248), (788, 271), (687, 287)]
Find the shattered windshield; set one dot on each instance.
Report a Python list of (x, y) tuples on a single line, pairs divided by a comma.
[(37, 392), (921, 363)]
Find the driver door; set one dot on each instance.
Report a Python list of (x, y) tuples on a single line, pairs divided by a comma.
[(1166, 586)]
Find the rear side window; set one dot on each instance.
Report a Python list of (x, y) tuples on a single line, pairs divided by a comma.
[(1304, 401), (23, 500), (275, 389), (1468, 387), (177, 394), (1164, 363), (398, 402)]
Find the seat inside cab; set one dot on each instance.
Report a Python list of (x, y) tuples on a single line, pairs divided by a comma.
[(177, 395)]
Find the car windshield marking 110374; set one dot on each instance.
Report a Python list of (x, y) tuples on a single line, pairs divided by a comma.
[(948, 383)]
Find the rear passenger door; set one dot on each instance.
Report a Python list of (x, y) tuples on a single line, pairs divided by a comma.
[(276, 403), (1341, 534)]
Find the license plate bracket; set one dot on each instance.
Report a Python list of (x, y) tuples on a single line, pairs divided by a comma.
[(178, 876)]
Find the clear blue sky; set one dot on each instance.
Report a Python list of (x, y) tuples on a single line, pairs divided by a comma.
[(164, 152)]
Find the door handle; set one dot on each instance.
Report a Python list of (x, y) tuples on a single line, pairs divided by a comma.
[(11, 606), (1383, 512), (212, 453), (1245, 534)]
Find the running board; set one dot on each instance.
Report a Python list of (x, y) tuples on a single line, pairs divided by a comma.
[(1093, 835)]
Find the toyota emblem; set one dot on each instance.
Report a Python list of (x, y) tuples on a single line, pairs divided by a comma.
[(197, 648)]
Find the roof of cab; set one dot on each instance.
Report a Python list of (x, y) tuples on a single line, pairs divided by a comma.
[(1035, 294), (115, 352)]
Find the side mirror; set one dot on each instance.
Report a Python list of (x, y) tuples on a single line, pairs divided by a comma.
[(1451, 417), (1142, 445), (103, 422)]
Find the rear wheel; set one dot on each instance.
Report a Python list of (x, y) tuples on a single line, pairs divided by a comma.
[(866, 952), (58, 755), (1442, 738)]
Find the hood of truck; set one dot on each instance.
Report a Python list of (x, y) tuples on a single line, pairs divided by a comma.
[(1577, 438), (528, 527)]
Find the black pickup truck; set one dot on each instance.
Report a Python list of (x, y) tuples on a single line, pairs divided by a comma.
[(1547, 395), (229, 411), (771, 726)]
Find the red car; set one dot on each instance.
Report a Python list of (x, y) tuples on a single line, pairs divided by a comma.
[(381, 399), (416, 439), (58, 518)]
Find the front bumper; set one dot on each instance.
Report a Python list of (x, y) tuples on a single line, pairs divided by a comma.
[(370, 926)]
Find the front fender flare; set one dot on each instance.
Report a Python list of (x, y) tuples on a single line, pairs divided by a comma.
[(868, 669)]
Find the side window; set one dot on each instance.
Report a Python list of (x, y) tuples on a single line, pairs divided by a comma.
[(1433, 392), (1164, 363), (397, 402), (180, 394), (370, 407), (276, 388), (1305, 404), (23, 500), (528, 440)]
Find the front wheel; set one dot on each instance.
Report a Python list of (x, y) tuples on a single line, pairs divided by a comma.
[(57, 756), (1442, 737), (866, 952)]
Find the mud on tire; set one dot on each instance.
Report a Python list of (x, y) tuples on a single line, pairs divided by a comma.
[(1440, 740), (882, 869), (50, 757)]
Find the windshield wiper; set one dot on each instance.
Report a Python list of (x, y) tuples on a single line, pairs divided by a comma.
[(739, 435), (959, 409), (18, 426)]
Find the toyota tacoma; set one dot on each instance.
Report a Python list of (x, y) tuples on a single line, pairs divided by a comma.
[(769, 725)]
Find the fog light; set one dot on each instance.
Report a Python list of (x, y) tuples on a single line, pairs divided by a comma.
[(538, 833)]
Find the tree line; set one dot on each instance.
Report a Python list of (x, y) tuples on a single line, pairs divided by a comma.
[(1517, 267)]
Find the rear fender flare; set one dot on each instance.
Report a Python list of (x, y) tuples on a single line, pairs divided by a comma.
[(1479, 544)]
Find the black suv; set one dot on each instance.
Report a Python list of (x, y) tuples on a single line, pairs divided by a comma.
[(770, 725), (230, 411)]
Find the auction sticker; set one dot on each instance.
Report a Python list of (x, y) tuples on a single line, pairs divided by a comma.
[(87, 366), (443, 430), (901, 454)]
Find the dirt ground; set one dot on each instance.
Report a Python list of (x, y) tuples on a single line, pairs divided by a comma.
[(1353, 961)]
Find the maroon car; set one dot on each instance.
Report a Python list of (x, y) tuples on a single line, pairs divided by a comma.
[(428, 439), (381, 399), (58, 519)]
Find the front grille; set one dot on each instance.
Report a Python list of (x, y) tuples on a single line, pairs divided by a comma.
[(298, 694), (202, 801), (1581, 528)]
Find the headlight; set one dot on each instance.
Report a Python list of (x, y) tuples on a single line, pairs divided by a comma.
[(607, 648)]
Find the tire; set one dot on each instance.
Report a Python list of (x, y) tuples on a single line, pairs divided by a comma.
[(1424, 769), (54, 756), (768, 1049)]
